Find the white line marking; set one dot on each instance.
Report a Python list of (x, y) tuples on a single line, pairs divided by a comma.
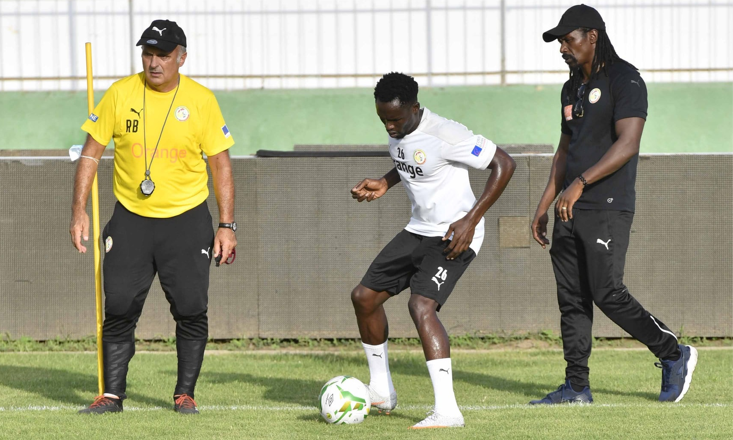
[(34, 408)]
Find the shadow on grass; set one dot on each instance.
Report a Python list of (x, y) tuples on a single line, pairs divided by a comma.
[(534, 390), (62, 386), (59, 385), (316, 418), (277, 389), (284, 390), (415, 366)]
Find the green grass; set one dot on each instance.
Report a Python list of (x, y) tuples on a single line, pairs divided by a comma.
[(266, 395), (543, 339)]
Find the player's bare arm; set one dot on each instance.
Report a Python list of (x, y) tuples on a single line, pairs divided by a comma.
[(85, 171), (554, 185), (221, 173), (626, 146), (502, 167), (372, 189)]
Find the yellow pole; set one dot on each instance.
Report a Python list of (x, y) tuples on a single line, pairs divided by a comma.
[(95, 229)]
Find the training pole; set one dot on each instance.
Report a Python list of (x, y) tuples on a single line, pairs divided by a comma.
[(95, 233)]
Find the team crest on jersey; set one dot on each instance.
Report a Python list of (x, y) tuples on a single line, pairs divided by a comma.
[(419, 156), (182, 113), (108, 244), (594, 95)]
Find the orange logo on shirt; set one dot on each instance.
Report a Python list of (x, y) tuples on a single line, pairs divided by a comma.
[(172, 154)]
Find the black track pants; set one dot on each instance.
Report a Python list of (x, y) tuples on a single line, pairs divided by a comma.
[(588, 256), (179, 250)]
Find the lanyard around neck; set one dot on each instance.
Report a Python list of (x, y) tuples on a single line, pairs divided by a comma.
[(145, 136)]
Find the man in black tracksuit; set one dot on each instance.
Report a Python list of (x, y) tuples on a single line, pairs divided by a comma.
[(603, 108)]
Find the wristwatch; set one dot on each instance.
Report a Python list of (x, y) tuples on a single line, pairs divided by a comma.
[(232, 226)]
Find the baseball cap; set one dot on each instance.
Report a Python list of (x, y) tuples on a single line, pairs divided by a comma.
[(166, 35), (578, 16)]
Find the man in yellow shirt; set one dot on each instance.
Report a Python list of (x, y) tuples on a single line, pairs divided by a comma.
[(162, 123)]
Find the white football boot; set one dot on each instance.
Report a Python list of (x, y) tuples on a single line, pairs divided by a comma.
[(381, 403), (435, 420)]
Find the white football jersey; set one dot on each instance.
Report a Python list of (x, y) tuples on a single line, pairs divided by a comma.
[(433, 164)]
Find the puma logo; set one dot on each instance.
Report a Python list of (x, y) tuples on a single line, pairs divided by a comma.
[(603, 243), (636, 82), (447, 371), (378, 355), (136, 112), (206, 252), (438, 283), (160, 31)]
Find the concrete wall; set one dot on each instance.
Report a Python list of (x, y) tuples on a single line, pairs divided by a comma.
[(304, 244)]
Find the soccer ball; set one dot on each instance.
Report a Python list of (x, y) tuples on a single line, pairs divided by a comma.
[(344, 399)]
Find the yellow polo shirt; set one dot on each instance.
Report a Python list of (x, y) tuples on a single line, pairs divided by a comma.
[(195, 126)]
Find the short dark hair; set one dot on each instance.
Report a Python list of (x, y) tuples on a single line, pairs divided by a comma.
[(396, 85)]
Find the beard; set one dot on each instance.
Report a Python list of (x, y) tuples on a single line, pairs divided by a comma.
[(571, 61)]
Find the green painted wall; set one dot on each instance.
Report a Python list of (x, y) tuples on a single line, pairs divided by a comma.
[(682, 117)]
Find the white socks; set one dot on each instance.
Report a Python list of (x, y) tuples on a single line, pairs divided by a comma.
[(441, 373), (380, 379)]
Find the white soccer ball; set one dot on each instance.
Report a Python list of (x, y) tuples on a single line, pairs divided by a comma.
[(344, 399)]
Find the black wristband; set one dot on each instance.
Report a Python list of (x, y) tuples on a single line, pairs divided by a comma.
[(582, 180), (232, 226)]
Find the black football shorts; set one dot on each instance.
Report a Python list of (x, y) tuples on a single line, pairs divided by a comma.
[(417, 262)]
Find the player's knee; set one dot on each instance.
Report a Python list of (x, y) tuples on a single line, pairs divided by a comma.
[(613, 300), (118, 329), (421, 307), (194, 305), (122, 307), (193, 327), (362, 298)]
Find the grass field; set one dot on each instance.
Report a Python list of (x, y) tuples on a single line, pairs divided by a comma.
[(273, 395)]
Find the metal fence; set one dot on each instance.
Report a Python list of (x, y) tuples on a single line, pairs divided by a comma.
[(350, 43)]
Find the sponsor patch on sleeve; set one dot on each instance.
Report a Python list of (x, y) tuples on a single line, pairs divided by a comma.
[(93, 117), (225, 130), (480, 144)]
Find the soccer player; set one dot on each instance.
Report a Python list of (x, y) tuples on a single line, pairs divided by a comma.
[(161, 222), (603, 108), (431, 155)]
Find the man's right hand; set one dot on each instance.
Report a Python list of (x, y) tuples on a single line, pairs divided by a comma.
[(79, 230), (539, 229), (369, 189)]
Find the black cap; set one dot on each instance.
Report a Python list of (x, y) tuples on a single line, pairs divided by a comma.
[(579, 16), (163, 34)]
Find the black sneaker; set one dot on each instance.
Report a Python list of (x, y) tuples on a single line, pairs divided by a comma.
[(102, 405), (565, 394), (184, 404), (677, 375)]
